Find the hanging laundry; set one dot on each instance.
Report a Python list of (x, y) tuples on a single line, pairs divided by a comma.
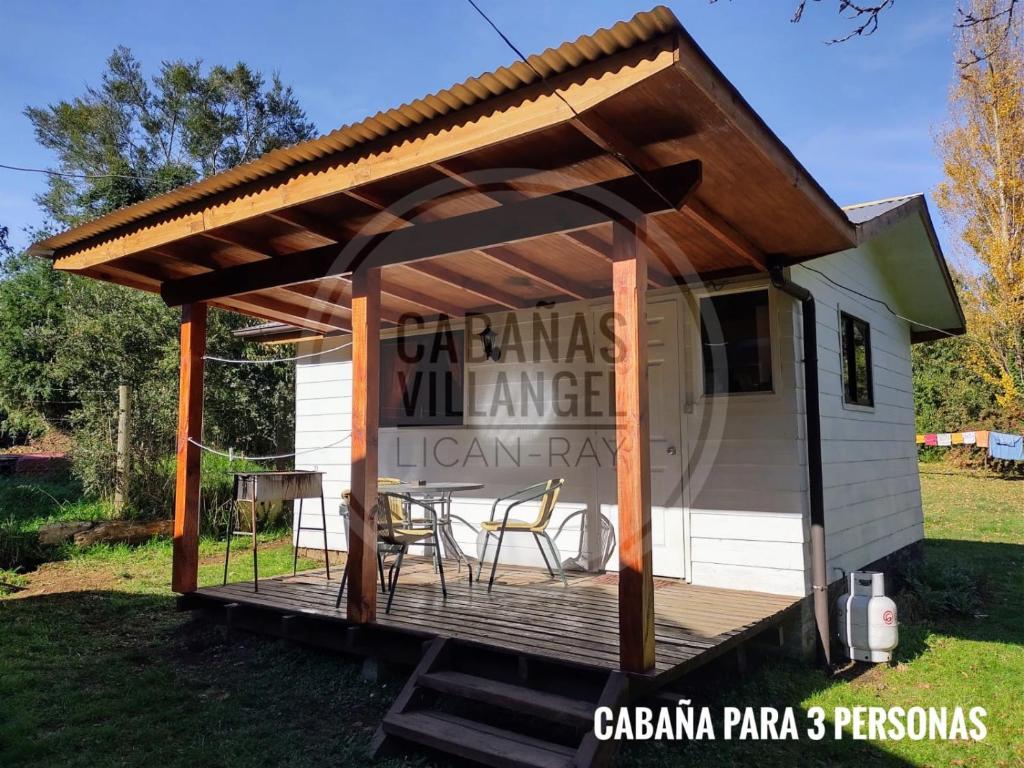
[(969, 438), (958, 438), (931, 440), (1006, 447), (944, 439), (919, 439), (982, 438)]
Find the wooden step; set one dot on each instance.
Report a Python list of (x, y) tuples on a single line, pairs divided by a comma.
[(517, 698), (476, 741)]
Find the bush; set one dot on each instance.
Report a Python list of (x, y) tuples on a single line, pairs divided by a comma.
[(933, 590), (216, 492)]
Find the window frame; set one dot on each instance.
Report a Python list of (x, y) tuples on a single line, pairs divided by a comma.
[(448, 422), (847, 362), (773, 335)]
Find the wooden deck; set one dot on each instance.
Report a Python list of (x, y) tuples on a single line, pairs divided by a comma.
[(529, 613)]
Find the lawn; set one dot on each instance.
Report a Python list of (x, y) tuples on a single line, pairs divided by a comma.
[(97, 669)]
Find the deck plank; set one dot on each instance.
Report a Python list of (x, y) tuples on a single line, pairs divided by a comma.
[(533, 614)]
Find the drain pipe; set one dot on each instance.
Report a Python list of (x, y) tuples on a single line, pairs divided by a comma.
[(819, 578)]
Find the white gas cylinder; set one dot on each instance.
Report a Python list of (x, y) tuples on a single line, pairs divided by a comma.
[(867, 624)]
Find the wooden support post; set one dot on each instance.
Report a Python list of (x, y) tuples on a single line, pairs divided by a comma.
[(185, 564), (362, 524), (124, 398), (633, 460)]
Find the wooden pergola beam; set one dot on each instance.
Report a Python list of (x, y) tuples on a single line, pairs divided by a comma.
[(185, 557), (625, 198), (633, 457)]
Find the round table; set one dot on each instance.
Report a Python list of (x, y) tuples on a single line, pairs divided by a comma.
[(439, 495)]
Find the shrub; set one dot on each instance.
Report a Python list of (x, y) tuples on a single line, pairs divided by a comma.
[(933, 589), (216, 492)]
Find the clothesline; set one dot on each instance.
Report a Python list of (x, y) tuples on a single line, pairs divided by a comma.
[(1000, 445)]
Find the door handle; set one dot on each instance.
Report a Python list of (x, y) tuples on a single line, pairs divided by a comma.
[(671, 450)]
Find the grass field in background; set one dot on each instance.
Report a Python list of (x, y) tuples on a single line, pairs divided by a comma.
[(97, 669)]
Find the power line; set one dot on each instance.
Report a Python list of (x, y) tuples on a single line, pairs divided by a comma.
[(232, 455), (70, 175), (277, 359), (636, 172), (892, 311), (623, 160)]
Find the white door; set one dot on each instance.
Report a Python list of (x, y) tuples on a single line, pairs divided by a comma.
[(667, 508), (667, 445)]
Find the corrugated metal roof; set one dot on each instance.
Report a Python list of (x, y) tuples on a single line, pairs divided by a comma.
[(861, 213), (642, 28)]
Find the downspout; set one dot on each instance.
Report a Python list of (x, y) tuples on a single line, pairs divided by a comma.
[(819, 578)]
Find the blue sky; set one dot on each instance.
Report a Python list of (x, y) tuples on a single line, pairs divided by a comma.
[(861, 115)]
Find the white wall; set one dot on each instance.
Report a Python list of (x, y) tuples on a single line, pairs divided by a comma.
[(484, 450), (745, 485), (872, 488), (747, 476)]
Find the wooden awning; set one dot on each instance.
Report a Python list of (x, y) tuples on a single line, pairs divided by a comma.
[(638, 101)]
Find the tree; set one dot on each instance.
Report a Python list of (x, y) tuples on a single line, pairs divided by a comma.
[(996, 16), (5, 249), (982, 198), (130, 138), (69, 341)]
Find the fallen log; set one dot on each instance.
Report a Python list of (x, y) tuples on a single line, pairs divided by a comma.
[(85, 534)]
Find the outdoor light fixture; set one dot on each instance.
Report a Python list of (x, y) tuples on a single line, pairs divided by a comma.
[(491, 351)]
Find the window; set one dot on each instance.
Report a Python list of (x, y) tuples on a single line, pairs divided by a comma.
[(421, 380), (736, 343), (856, 341)]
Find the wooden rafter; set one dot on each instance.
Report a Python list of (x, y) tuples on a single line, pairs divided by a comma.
[(560, 212), (326, 230), (582, 240), (443, 274), (611, 140), (538, 273), (725, 233)]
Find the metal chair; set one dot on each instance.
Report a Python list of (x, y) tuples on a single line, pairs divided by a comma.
[(381, 549), (397, 530), (547, 492)]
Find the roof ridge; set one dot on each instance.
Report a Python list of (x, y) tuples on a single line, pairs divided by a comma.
[(883, 200)]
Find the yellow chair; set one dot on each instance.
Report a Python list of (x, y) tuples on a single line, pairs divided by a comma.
[(397, 530), (547, 492)]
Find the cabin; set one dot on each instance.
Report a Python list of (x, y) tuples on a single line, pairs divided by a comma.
[(729, 483), (597, 265)]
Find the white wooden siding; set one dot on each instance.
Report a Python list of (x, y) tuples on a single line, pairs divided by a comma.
[(872, 489)]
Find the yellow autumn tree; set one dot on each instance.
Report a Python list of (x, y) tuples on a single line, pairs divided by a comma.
[(982, 198)]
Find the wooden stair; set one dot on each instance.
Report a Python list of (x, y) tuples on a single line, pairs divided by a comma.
[(500, 709)]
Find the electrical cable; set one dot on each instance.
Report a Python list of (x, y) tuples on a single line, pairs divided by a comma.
[(636, 172), (892, 311), (232, 455), (277, 359)]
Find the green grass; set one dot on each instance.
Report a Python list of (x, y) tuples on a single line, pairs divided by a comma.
[(97, 669), (26, 505), (974, 523)]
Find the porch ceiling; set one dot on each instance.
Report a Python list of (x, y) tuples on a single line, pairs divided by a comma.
[(644, 97)]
